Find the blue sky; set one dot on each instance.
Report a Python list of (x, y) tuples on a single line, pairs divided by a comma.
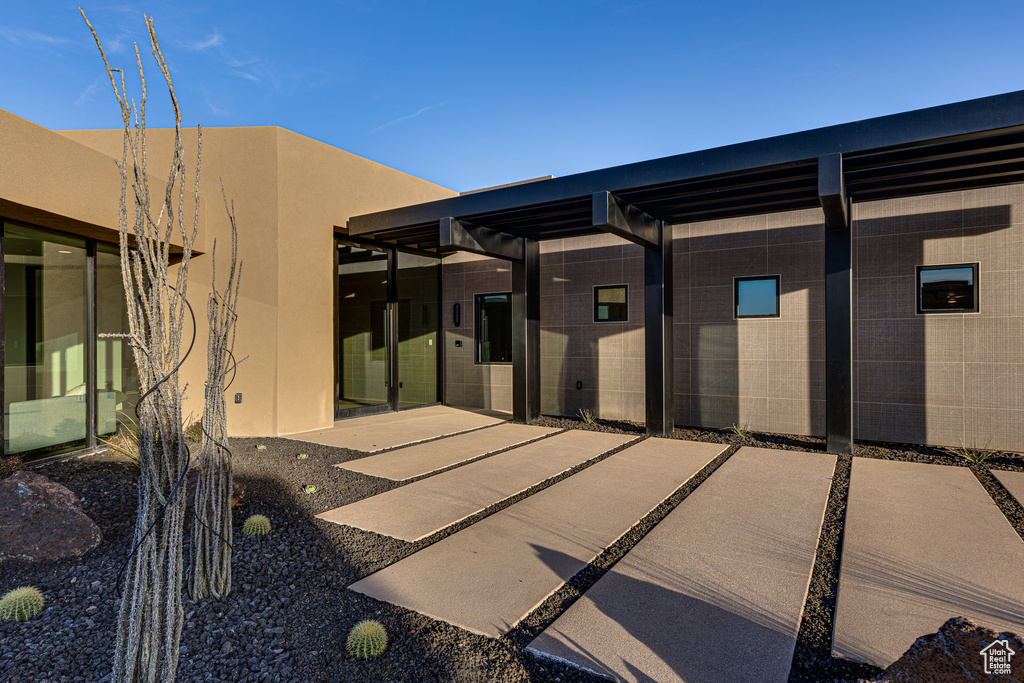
[(472, 94)]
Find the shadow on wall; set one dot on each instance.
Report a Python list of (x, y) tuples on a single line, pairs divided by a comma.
[(466, 382), (917, 378)]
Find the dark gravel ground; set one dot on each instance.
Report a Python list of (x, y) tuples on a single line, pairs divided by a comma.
[(289, 613)]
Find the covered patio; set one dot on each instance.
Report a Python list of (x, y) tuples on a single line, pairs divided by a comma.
[(968, 145)]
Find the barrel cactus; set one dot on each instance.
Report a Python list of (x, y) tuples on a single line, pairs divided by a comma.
[(367, 639), (257, 525), (21, 604)]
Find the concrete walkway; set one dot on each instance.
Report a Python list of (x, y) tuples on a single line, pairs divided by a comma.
[(715, 591), (380, 432), (923, 543), (416, 461), (487, 577), (417, 510), (1013, 482)]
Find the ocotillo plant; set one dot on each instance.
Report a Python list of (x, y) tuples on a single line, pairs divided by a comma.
[(211, 529), (150, 619)]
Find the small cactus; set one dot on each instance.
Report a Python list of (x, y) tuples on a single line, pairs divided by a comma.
[(367, 639), (301, 456), (308, 488), (21, 604), (261, 447), (257, 525)]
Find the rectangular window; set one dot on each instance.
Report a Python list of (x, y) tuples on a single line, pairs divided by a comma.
[(610, 304), (494, 328), (947, 289), (757, 297)]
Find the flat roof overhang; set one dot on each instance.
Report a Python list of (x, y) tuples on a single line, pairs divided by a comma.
[(972, 144)]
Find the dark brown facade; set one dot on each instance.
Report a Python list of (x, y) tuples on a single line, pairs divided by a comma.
[(945, 378)]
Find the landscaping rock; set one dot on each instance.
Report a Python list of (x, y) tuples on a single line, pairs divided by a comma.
[(42, 520), (955, 654)]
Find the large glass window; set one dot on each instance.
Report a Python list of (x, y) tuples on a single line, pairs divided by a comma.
[(45, 337), (947, 289), (363, 370), (117, 380), (63, 385), (757, 297), (494, 328)]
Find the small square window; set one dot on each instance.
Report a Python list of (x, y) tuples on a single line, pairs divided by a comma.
[(757, 297), (947, 289), (493, 328), (611, 304)]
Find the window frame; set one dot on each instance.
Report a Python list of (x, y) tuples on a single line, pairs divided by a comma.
[(976, 288), (736, 297), (625, 288), (477, 310)]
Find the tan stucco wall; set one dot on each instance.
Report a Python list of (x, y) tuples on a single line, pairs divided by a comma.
[(291, 195), (50, 180), (320, 188)]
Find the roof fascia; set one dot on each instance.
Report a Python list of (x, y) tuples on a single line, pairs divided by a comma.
[(961, 119)]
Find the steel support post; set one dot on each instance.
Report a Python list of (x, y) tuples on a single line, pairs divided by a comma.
[(526, 334), (658, 351), (838, 305)]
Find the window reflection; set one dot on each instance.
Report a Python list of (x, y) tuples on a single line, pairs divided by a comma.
[(493, 328), (757, 297), (947, 288), (45, 398)]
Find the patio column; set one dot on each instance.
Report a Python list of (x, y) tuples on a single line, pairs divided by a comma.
[(614, 216), (658, 351), (838, 305), (526, 334)]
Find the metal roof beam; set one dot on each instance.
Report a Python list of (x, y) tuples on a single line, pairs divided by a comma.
[(478, 240), (613, 215), (832, 191)]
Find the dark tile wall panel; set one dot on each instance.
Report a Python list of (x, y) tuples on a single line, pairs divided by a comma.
[(946, 379)]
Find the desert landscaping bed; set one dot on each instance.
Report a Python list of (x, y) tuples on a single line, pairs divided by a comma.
[(288, 614)]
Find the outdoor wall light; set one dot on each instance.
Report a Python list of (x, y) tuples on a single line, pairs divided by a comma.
[(457, 314)]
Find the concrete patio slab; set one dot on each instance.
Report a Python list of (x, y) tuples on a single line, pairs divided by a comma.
[(380, 432), (715, 592), (489, 576), (922, 543), (419, 509), (418, 460), (1013, 482)]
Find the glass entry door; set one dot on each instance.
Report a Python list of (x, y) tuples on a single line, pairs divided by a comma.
[(388, 326), (364, 330), (418, 321)]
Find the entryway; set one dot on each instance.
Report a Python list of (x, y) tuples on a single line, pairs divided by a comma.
[(387, 328)]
